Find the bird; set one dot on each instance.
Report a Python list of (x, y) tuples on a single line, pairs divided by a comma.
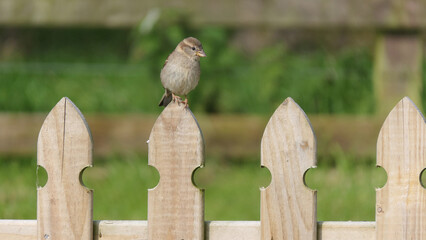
[(181, 71)]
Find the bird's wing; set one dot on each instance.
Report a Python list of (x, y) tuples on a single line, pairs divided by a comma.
[(165, 62)]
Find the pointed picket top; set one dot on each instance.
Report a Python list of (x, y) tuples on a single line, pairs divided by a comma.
[(64, 149), (288, 207), (176, 149), (401, 151)]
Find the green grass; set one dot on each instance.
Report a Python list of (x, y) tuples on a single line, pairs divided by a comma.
[(93, 87), (18, 195), (345, 187), (118, 71)]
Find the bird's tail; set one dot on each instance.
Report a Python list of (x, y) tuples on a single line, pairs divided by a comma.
[(166, 99)]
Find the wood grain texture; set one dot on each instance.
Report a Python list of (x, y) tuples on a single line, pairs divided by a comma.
[(335, 230), (120, 230), (176, 149), (64, 149), (18, 229), (288, 207), (401, 151), (215, 230), (235, 230)]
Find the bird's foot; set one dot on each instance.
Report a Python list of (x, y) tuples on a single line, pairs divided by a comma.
[(176, 98), (185, 103)]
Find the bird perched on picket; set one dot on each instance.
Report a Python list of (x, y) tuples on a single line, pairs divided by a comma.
[(181, 71)]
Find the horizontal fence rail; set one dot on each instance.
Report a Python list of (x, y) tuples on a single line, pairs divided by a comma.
[(234, 136), (278, 13), (176, 206), (214, 230)]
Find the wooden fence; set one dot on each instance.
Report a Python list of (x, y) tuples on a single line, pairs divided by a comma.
[(225, 135), (384, 14), (176, 206)]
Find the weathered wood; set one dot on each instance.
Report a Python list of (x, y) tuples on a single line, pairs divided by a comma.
[(401, 151), (235, 230), (235, 136), (397, 70), (120, 230), (64, 149), (215, 230), (176, 149), (18, 229), (278, 13), (288, 207), (346, 230)]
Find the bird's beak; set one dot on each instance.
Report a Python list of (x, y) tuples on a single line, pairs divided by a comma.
[(201, 53)]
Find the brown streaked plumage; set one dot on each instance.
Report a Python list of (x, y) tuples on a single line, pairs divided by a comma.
[(181, 71)]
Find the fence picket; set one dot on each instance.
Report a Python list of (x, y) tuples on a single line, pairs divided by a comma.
[(401, 151), (288, 207), (176, 149), (176, 206), (64, 149)]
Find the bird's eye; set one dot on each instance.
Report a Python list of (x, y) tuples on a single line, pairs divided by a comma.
[(193, 48)]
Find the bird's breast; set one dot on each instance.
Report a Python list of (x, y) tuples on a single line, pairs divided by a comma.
[(180, 78)]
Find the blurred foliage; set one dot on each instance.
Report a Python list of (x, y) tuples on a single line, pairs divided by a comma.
[(118, 71), (233, 81), (65, 45)]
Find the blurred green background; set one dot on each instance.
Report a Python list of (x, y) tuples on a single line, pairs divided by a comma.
[(116, 71)]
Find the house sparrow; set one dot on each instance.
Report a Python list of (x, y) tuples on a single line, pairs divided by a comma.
[(181, 71)]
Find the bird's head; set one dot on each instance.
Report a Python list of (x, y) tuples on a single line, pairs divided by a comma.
[(192, 47)]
